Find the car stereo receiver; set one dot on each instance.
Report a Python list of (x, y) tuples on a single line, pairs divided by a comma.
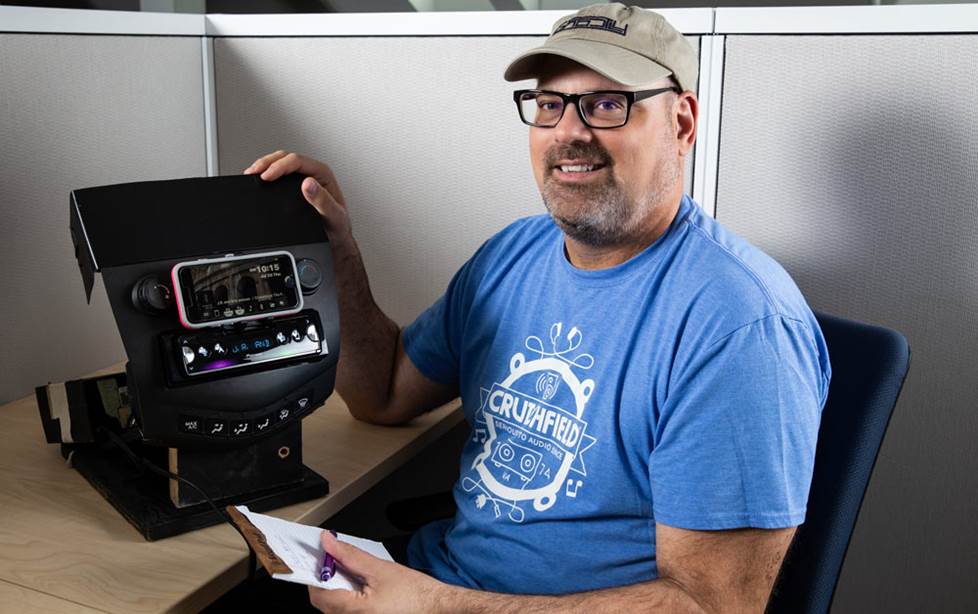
[(271, 343)]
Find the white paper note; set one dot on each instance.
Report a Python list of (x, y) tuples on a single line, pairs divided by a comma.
[(299, 547)]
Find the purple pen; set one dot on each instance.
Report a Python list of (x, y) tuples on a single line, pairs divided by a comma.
[(329, 565)]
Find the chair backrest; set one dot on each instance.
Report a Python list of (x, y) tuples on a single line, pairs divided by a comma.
[(869, 365)]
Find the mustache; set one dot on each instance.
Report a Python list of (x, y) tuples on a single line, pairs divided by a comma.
[(589, 151)]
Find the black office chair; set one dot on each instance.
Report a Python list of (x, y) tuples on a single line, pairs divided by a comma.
[(869, 365)]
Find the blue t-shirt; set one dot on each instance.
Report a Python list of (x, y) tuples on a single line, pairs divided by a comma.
[(683, 386)]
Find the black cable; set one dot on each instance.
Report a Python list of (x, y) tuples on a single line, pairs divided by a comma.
[(139, 460)]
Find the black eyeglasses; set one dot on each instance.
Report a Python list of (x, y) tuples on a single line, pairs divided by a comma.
[(601, 109)]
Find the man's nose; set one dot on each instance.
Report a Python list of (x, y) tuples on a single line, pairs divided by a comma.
[(570, 127)]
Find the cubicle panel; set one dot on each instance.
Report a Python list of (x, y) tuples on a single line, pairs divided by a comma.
[(421, 132), (852, 160), (78, 111)]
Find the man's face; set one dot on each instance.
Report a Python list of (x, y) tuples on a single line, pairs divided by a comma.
[(636, 166)]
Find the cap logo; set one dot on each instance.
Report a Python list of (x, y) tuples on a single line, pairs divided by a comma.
[(592, 22)]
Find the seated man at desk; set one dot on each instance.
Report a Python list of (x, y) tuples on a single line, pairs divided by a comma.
[(643, 386)]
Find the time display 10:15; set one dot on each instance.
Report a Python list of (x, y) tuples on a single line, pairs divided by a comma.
[(273, 267)]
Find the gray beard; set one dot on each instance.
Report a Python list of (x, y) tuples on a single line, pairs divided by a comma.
[(600, 219), (601, 215)]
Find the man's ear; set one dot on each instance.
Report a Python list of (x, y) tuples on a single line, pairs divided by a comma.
[(687, 112)]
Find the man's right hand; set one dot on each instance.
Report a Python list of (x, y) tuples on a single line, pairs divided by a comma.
[(319, 188)]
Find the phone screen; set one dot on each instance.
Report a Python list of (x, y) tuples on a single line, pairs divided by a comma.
[(213, 291)]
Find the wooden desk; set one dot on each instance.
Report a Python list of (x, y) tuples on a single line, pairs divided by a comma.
[(65, 548)]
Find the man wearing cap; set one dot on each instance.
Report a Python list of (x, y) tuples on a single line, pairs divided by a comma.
[(643, 387)]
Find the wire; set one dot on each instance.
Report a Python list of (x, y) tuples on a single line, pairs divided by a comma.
[(139, 460)]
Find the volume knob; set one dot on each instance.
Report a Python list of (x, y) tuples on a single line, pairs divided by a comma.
[(152, 296), (309, 275)]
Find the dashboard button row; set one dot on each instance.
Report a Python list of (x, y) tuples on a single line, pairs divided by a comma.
[(214, 427)]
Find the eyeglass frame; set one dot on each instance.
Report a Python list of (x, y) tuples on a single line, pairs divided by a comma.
[(630, 98)]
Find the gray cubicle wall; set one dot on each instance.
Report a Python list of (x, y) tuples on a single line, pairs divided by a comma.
[(853, 159), (78, 111), (421, 132)]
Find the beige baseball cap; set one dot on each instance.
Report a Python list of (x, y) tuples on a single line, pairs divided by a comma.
[(628, 44)]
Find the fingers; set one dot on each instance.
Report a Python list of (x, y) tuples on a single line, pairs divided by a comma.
[(353, 560), (283, 165), (280, 163), (262, 163)]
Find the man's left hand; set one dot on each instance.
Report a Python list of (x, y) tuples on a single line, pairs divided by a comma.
[(384, 586)]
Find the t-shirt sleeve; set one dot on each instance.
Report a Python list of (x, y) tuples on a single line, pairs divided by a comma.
[(735, 441), (433, 340)]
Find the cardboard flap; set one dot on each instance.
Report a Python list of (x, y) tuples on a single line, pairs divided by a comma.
[(256, 539)]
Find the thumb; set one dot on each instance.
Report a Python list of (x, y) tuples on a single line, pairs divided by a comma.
[(353, 560), (319, 197)]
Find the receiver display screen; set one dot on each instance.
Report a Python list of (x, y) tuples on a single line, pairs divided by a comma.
[(238, 288)]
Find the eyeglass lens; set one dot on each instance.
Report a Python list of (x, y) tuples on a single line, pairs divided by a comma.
[(602, 110)]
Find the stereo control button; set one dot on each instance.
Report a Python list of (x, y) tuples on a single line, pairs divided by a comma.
[(296, 335), (152, 296), (310, 276), (304, 402), (216, 428), (283, 414), (240, 428), (191, 424), (262, 424), (280, 337), (312, 333), (188, 355)]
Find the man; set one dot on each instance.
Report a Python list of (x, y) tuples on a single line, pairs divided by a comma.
[(644, 388)]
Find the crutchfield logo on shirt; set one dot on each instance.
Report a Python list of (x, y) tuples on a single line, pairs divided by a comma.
[(532, 446), (592, 23), (534, 416)]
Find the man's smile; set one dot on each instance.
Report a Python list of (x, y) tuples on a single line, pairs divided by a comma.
[(577, 171)]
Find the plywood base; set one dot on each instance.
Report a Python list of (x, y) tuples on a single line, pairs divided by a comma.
[(142, 497)]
